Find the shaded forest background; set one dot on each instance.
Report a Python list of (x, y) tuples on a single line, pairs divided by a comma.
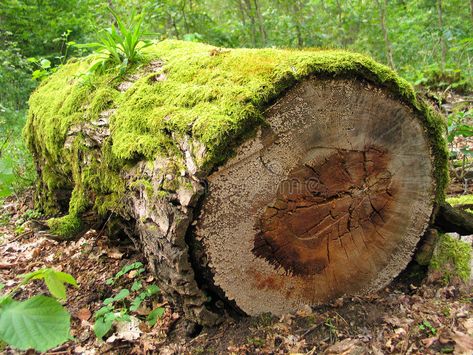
[(429, 42)]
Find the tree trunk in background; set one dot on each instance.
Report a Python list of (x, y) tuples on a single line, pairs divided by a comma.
[(382, 7), (471, 10), (443, 45), (262, 30), (251, 15), (296, 9)]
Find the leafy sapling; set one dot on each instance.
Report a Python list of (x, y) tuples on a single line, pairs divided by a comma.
[(126, 301), (21, 322)]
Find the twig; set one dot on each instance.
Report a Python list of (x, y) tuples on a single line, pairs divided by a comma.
[(5, 142), (19, 236), (197, 337), (311, 329)]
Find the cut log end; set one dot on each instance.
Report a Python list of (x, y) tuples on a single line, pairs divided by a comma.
[(329, 199), (321, 203)]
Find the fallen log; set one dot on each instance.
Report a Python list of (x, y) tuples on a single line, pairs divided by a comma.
[(271, 178)]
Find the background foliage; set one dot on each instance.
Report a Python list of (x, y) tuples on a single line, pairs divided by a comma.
[(429, 42)]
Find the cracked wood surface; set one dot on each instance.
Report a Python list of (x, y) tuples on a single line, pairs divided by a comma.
[(330, 198)]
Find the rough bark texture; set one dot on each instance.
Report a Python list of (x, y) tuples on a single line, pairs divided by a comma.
[(271, 178)]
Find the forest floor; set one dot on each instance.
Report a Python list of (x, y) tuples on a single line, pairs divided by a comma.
[(414, 315), (411, 316)]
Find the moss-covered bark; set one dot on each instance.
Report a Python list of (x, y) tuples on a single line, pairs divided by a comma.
[(141, 146), (214, 96)]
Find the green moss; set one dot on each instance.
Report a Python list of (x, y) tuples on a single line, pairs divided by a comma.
[(66, 227), (214, 96), (102, 99), (452, 258), (148, 187), (460, 200)]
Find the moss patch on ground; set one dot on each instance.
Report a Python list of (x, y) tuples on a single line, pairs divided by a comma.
[(462, 200), (451, 258), (65, 227), (214, 96)]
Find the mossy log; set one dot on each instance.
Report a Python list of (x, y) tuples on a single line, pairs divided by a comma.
[(272, 178)]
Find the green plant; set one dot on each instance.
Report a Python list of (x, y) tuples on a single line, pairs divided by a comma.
[(43, 68), (29, 214), (332, 329), (126, 269), (119, 307), (39, 322), (118, 46), (428, 328), (458, 125), (258, 342)]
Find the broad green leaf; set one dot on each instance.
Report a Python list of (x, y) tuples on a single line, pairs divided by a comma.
[(4, 299), (102, 327), (45, 63), (152, 289), (65, 277), (40, 323), (108, 301), (154, 315), (467, 152), (110, 316), (137, 301), (34, 275), (54, 280), (121, 295), (123, 271), (55, 286), (102, 311), (136, 286)]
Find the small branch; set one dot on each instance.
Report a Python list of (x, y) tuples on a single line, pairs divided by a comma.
[(465, 206), (4, 144), (452, 219)]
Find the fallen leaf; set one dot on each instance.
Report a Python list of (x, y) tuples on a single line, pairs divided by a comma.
[(463, 343), (304, 311), (132, 274), (468, 324), (429, 341), (128, 331), (345, 347), (84, 314), (114, 254), (400, 331)]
